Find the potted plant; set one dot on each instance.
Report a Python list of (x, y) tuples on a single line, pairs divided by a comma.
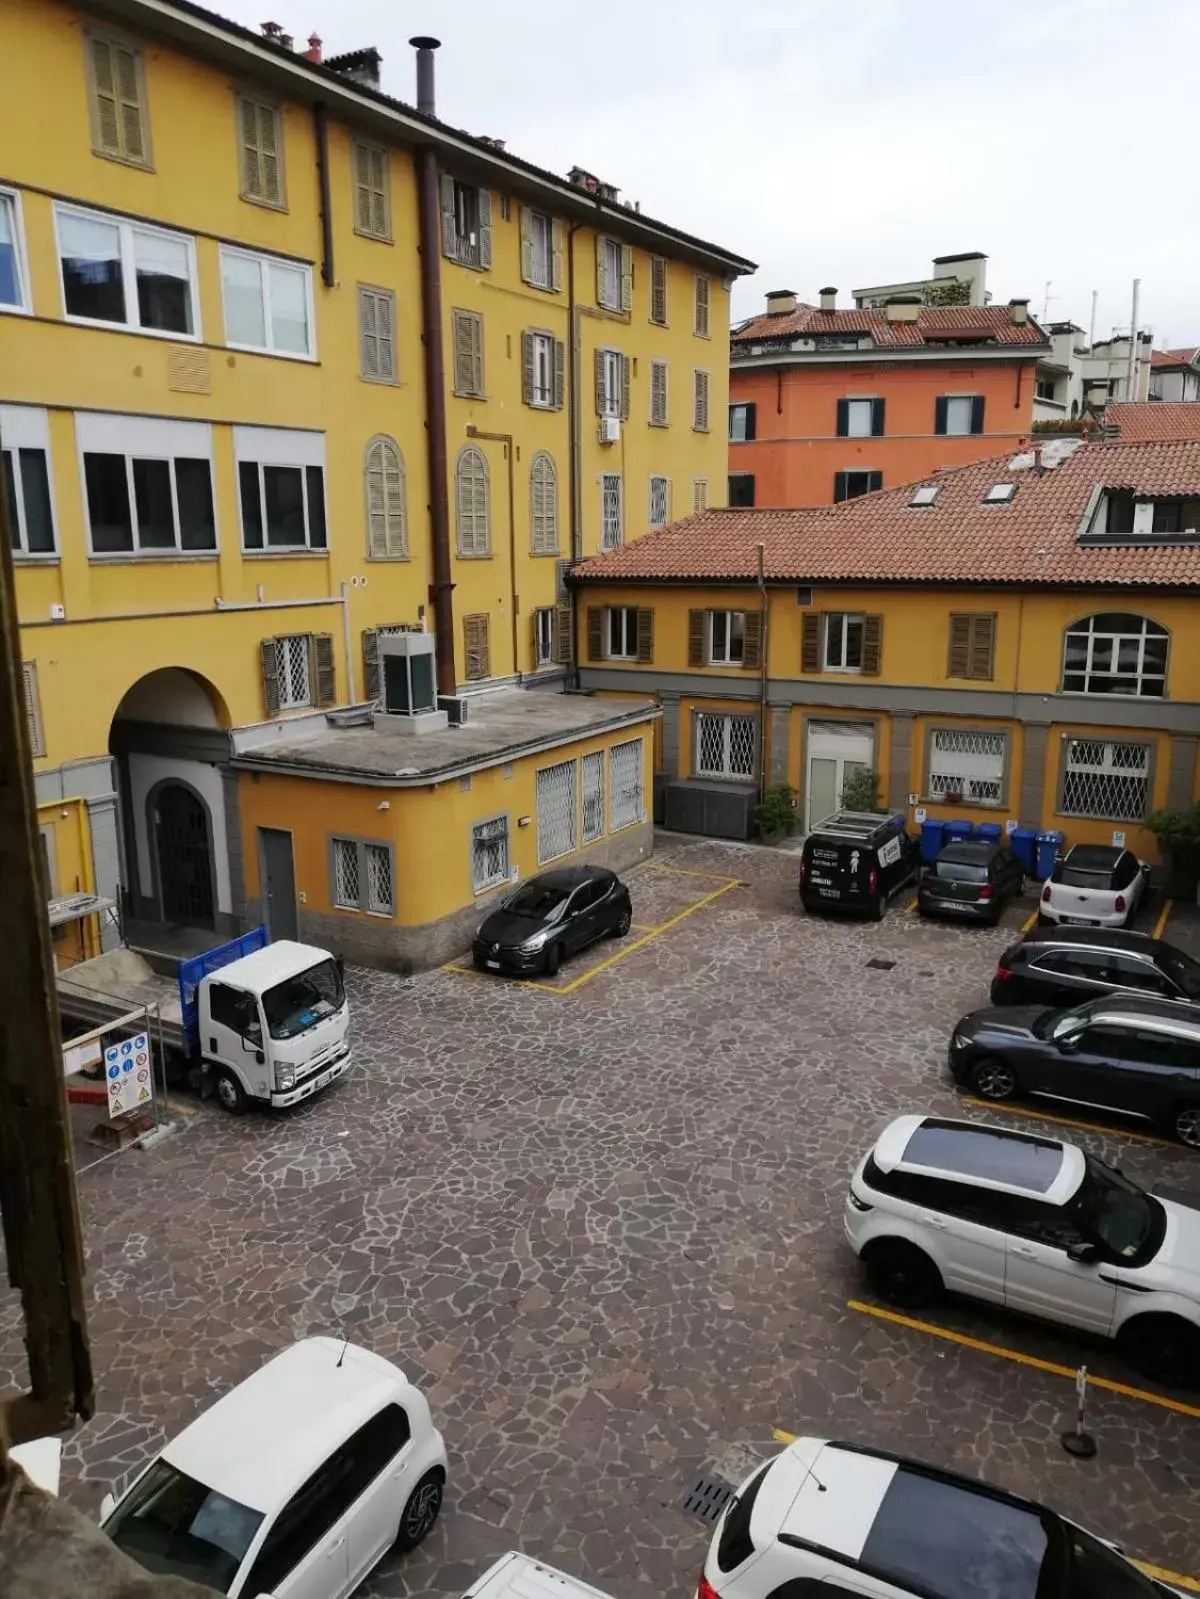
[(776, 815), (1178, 835), (862, 790)]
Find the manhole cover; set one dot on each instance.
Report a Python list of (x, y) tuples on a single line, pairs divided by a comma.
[(705, 1497), (877, 965)]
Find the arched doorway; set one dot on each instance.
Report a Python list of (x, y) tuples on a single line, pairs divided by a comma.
[(181, 829)]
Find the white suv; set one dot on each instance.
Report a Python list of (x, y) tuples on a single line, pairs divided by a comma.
[(832, 1521), (1032, 1224), (295, 1484)]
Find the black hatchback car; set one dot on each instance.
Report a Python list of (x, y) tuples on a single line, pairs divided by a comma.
[(1139, 1056), (550, 917), (1067, 965), (855, 861), (972, 880)]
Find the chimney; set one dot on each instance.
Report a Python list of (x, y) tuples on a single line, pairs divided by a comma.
[(829, 299), (1020, 310), (424, 46), (314, 48), (286, 40), (903, 307), (1037, 460), (781, 302), (270, 30)]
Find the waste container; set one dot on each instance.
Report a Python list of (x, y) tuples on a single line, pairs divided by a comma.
[(1024, 843), (957, 831), (989, 831), (1049, 844), (932, 839)]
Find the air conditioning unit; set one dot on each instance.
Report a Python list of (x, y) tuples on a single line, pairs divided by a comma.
[(610, 429), (457, 708)]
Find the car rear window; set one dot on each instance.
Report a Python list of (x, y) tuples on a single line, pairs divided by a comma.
[(1077, 877), (735, 1544), (962, 871), (994, 1156), (949, 1541)]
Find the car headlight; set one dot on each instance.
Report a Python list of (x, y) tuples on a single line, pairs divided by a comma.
[(532, 945), (285, 1075), (960, 1041)]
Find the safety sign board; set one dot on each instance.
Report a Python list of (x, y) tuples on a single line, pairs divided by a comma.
[(127, 1073)]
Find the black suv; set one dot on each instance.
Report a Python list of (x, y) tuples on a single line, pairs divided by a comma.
[(971, 880), (856, 861), (1066, 965)]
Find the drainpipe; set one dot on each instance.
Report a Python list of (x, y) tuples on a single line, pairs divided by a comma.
[(509, 451), (321, 131), (574, 443), (762, 675), (429, 227)]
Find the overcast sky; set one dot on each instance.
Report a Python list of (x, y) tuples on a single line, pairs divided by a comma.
[(846, 143)]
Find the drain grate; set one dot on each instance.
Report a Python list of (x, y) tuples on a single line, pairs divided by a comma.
[(878, 965), (705, 1498)]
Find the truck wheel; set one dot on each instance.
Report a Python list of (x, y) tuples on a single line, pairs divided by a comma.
[(230, 1093)]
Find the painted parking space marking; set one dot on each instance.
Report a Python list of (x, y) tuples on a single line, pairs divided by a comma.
[(911, 906), (1029, 921), (1163, 917), (1034, 1114), (981, 1345)]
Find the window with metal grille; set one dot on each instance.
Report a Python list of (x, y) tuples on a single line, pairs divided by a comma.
[(293, 669), (843, 642), (379, 879), (593, 796), (543, 623), (362, 877), (612, 511), (556, 811), (660, 501), (1106, 779), (625, 783), (259, 133), (489, 853), (376, 337), (622, 633), (387, 520), (703, 300), (118, 96), (543, 504), (700, 411), (473, 503), (372, 207), (966, 765), (724, 745), (658, 394), (345, 873), (1115, 652)]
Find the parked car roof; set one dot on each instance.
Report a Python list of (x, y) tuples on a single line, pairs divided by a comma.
[(1162, 1014), (993, 1157), (970, 851), (1095, 938), (1094, 857), (568, 877), (858, 823)]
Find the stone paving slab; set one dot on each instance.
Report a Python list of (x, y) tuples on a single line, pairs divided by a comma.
[(604, 1234)]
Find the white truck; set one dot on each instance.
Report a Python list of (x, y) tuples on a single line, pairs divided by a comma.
[(259, 1022)]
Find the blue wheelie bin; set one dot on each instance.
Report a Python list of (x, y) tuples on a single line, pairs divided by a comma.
[(1024, 843), (989, 831), (1049, 844), (932, 839), (956, 832)]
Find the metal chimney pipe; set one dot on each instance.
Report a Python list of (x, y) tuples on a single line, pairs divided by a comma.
[(425, 46)]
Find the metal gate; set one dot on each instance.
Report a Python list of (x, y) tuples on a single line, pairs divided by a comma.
[(182, 843)]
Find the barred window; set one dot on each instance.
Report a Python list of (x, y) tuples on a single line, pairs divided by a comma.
[(361, 875), (1106, 778), (345, 873), (724, 745), (489, 853), (660, 501), (293, 657), (966, 765), (1115, 653), (625, 783), (612, 511), (593, 796), (556, 811)]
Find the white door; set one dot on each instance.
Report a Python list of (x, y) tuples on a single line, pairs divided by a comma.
[(1042, 1281), (383, 1456), (835, 750), (971, 1257)]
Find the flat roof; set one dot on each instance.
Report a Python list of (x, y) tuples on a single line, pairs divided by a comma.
[(503, 725)]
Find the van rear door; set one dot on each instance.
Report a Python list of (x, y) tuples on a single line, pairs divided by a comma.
[(838, 872)]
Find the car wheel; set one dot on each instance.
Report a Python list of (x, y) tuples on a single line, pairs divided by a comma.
[(420, 1512), (230, 1093), (1164, 1348), (902, 1274), (624, 923), (1185, 1124), (552, 959), (992, 1078)]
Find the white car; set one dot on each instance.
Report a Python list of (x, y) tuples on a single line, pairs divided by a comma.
[(516, 1576), (295, 1484), (1032, 1224), (1094, 885), (838, 1521)]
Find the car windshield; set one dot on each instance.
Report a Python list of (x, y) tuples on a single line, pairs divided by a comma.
[(540, 901), (1181, 969), (1060, 1024), (300, 1002), (1116, 1212), (962, 871), (172, 1524)]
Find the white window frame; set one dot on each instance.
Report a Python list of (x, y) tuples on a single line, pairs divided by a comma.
[(613, 277), (366, 904), (620, 619), (725, 770), (281, 447), (614, 381), (1107, 767), (733, 650), (127, 228), (287, 701), (541, 219), (546, 641), (627, 805), (27, 427), (612, 527), (840, 624), (960, 400), (976, 771), (265, 265), (1082, 629), (856, 411), (23, 306), (145, 438), (660, 500), (541, 353), (481, 885)]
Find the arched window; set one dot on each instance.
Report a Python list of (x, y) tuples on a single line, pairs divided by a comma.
[(473, 503), (1115, 653), (387, 518), (543, 504)]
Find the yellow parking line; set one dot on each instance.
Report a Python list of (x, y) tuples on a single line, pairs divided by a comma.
[(672, 921), (687, 871), (1068, 1121), (1025, 1360), (782, 1437), (911, 906), (1029, 921), (529, 982), (1164, 915)]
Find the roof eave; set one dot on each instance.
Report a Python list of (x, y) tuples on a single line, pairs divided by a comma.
[(889, 352)]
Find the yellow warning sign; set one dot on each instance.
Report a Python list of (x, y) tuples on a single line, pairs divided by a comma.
[(145, 1094)]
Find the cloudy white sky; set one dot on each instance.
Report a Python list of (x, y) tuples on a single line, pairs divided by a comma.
[(846, 143)]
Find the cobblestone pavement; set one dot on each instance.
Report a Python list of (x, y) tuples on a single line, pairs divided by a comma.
[(602, 1229)]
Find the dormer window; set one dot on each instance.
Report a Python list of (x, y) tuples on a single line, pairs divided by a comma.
[(926, 494), (1121, 517), (1000, 494)]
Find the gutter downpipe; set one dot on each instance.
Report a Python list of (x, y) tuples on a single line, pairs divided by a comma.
[(441, 590), (574, 445), (762, 676), (509, 452), (321, 131)]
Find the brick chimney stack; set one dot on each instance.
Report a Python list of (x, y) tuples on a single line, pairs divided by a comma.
[(314, 48)]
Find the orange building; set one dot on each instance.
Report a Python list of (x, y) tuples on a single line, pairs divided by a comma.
[(827, 404)]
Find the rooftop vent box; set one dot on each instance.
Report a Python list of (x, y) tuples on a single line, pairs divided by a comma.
[(410, 702)]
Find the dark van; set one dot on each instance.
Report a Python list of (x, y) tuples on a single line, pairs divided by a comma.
[(855, 861)]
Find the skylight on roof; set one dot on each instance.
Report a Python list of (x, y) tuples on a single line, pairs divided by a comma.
[(926, 494), (1000, 494)]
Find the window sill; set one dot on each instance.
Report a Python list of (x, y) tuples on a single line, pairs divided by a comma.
[(552, 555), (298, 554), (990, 678), (309, 359), (376, 238), (122, 160), (264, 205), (474, 555), (490, 888), (964, 804), (381, 383), (463, 394), (385, 560), (655, 424), (620, 827), (843, 671), (44, 558), (136, 557), (655, 323), (7, 309)]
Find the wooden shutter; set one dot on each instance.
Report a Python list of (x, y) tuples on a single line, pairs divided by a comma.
[(626, 365), (526, 362), (260, 152), (960, 647), (843, 419), (977, 414), (700, 420), (387, 535), (475, 637), (658, 393), (564, 637), (752, 634), (526, 246), (485, 227), (810, 642), (595, 632), (983, 638), (463, 329), (449, 226), (703, 289), (877, 419), (322, 662), (116, 89), (556, 254), (367, 334), (601, 270), (874, 481), (645, 634), (696, 620), (626, 278), (375, 335), (940, 409), (560, 374), (33, 709), (840, 481), (601, 391), (268, 652), (370, 663), (658, 290), (872, 645), (751, 411), (371, 191)]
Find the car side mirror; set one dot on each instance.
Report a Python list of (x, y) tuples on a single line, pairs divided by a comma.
[(1083, 1253), (107, 1505), (1066, 1046)]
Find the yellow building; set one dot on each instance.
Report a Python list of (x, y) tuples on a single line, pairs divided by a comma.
[(1014, 641), (231, 468)]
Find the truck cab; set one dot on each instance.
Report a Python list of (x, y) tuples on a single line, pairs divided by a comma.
[(272, 1025)]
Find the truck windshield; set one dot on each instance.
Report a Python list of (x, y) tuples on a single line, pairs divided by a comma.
[(300, 1002)]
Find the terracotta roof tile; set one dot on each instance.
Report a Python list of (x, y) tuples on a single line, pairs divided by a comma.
[(881, 538), (1139, 420), (934, 322)]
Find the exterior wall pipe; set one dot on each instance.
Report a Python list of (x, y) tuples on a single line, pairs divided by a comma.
[(321, 132)]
